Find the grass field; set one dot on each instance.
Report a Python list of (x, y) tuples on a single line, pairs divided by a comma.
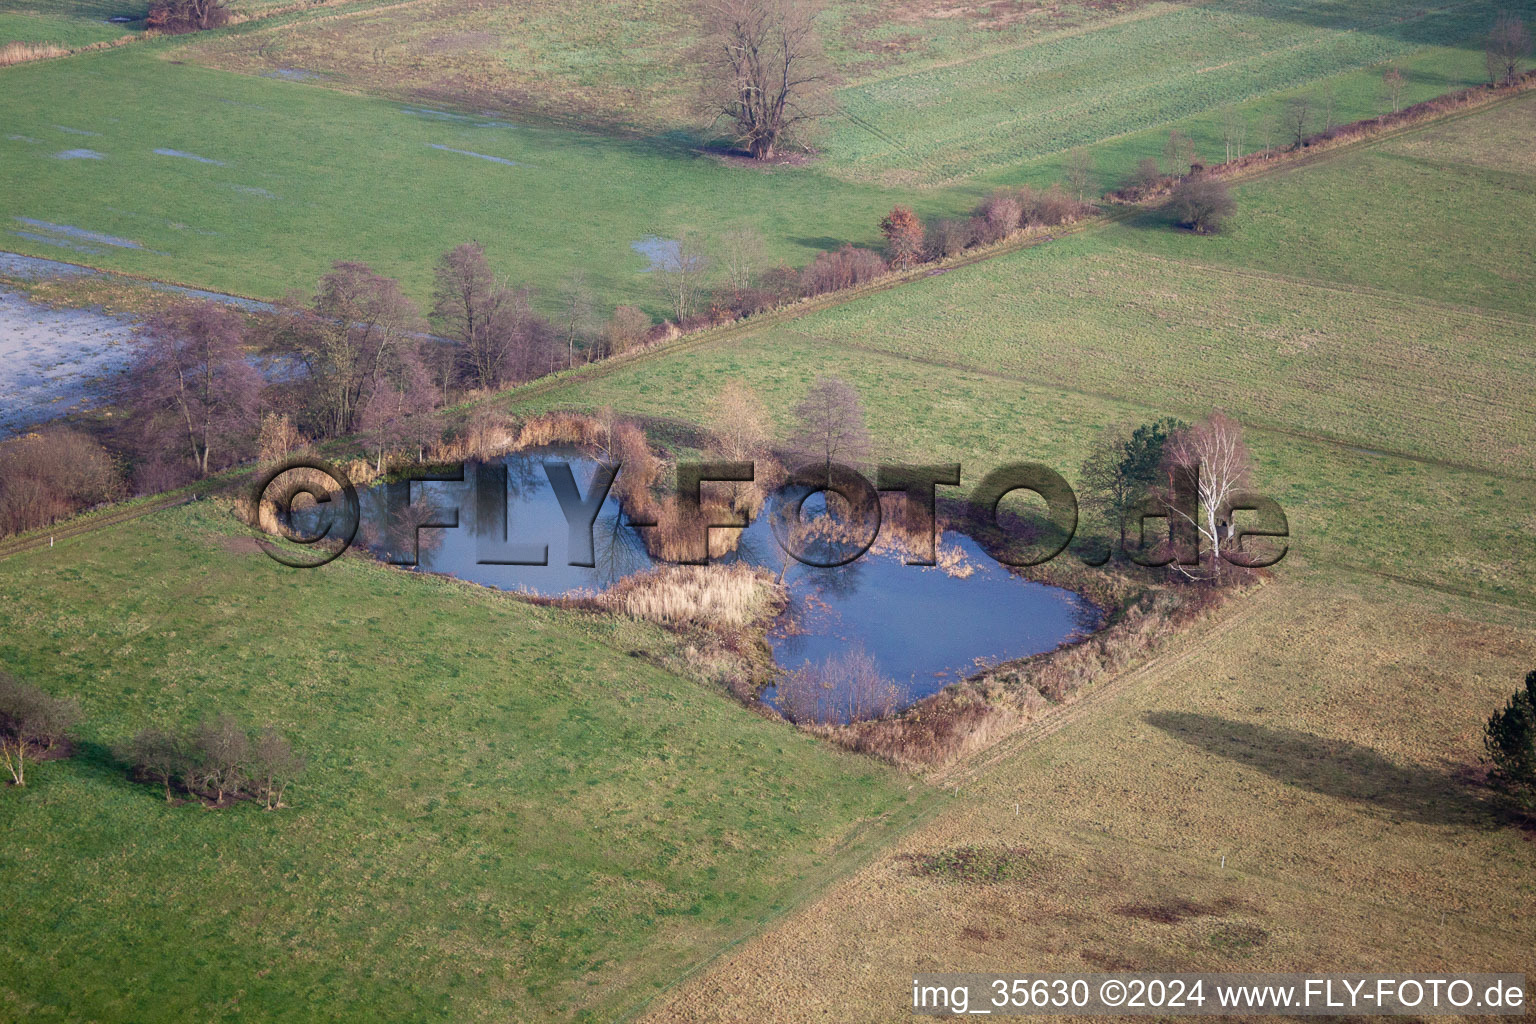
[(933, 94), (504, 816), (359, 178), (287, 168), (1317, 741), (1029, 355), (1291, 786)]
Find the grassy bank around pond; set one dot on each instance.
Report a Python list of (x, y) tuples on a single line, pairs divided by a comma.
[(505, 814)]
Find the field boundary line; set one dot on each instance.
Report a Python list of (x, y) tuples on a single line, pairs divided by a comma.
[(1502, 317)]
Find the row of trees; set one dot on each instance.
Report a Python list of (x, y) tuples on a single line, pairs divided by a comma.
[(218, 761)]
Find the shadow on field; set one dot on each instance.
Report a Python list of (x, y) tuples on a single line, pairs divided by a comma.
[(1335, 768)]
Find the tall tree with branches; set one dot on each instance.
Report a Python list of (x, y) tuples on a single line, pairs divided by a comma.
[(762, 70), (1215, 445), (1508, 45), (190, 378)]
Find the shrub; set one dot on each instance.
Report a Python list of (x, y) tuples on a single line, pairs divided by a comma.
[(949, 238), (1000, 216), (33, 724), (1147, 177), (845, 268), (218, 762), (176, 16), (905, 243), (626, 329), (51, 475), (1510, 741), (1202, 204)]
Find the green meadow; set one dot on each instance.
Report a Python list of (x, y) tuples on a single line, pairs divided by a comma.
[(508, 812), (289, 177), (318, 151), (1384, 409)]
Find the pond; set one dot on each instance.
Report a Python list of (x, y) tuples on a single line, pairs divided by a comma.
[(925, 627)]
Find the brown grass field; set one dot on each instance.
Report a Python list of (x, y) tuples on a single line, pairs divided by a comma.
[(1317, 738)]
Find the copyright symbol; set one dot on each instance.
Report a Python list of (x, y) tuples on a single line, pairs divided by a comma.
[(325, 526), (1112, 992)]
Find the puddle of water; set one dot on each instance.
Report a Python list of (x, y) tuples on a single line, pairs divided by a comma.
[(121, 19), (481, 156), (190, 156), (22, 138), (35, 268), (924, 627), (661, 252), (75, 131), (291, 74), (79, 154), (435, 115), (62, 243), (53, 360), (81, 234)]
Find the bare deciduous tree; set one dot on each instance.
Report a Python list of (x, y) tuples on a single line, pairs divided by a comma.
[(52, 473), (1392, 82), (576, 313), (625, 329), (274, 765), (1079, 169), (763, 72), (680, 275), (488, 319), (740, 425), (1216, 446), (830, 425), (157, 756), (356, 333), (743, 253), (1179, 152), (1234, 131), (190, 376), (1202, 203), (1296, 118), (1508, 45), (32, 723)]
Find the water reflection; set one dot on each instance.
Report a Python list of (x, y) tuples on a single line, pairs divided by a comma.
[(925, 627)]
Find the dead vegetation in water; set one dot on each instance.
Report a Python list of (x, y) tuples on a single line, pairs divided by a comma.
[(729, 596)]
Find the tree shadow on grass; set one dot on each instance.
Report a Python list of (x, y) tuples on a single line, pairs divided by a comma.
[(1334, 768)]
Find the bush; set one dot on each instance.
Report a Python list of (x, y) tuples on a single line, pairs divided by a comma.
[(1202, 204), (33, 724), (1510, 741), (626, 329), (176, 16), (51, 475), (845, 268), (905, 243), (949, 238), (217, 762), (1000, 216)]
